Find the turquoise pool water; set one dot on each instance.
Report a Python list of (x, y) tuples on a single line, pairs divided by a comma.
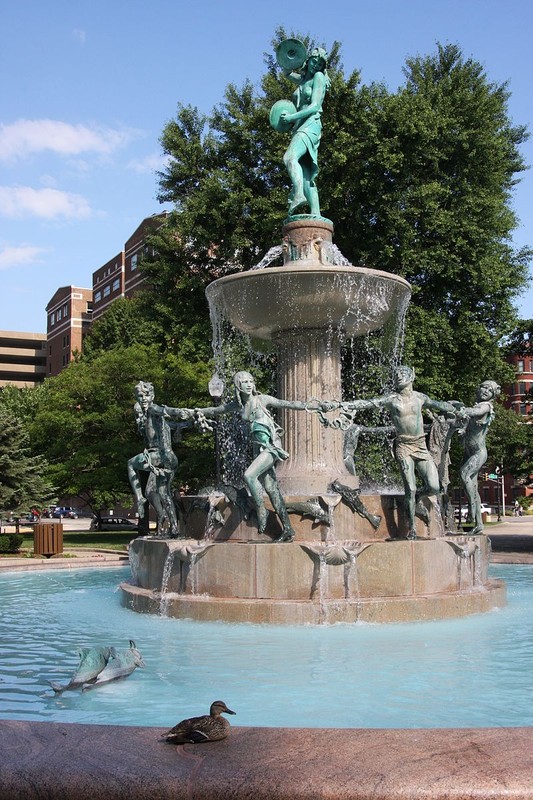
[(471, 672)]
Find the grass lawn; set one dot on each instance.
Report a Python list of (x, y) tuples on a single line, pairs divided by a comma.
[(90, 540)]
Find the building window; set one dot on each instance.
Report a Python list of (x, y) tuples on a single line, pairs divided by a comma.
[(520, 365), (52, 319), (134, 260), (107, 290), (116, 284), (65, 310), (521, 388), (97, 296), (58, 314)]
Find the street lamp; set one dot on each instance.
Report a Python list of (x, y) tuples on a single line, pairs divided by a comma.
[(216, 390)]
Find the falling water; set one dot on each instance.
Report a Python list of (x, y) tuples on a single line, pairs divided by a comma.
[(193, 572), (322, 587), (269, 257), (367, 359), (167, 571), (351, 576), (330, 254)]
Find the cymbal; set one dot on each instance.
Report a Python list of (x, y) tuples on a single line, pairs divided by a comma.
[(291, 54), (276, 112)]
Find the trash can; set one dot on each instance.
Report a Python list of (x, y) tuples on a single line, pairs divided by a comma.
[(48, 538)]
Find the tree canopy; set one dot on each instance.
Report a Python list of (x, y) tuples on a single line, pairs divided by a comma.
[(417, 181), (85, 423), (23, 482)]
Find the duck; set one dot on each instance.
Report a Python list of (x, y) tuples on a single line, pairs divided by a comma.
[(209, 728)]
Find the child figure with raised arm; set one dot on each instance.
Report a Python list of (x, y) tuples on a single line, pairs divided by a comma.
[(405, 407)]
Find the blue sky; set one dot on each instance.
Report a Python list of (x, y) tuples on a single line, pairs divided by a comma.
[(87, 86)]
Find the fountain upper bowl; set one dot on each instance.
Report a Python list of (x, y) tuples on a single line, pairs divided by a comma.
[(266, 302)]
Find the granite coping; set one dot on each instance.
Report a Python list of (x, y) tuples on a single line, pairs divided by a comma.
[(73, 559), (41, 760)]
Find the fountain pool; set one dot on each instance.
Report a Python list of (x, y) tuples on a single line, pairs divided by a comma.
[(468, 672)]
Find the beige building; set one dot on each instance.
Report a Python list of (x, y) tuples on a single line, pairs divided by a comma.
[(22, 358), (69, 314)]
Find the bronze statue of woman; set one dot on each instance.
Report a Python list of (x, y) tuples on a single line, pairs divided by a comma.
[(305, 120), (253, 408), (479, 417)]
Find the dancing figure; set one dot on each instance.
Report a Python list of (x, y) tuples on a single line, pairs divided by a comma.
[(479, 417), (260, 476)]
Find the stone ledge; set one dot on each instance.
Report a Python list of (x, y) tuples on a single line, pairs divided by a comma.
[(80, 762), (78, 559)]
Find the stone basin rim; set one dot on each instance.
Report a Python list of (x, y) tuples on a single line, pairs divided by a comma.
[(293, 268)]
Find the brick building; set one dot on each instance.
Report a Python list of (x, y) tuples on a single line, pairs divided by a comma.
[(108, 284), (520, 392), (135, 248), (22, 358), (519, 398), (121, 277), (69, 315)]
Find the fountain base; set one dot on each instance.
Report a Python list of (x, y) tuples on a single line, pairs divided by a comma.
[(313, 582)]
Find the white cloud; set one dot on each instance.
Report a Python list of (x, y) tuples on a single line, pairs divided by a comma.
[(148, 164), (19, 256), (25, 137), (79, 35), (22, 201)]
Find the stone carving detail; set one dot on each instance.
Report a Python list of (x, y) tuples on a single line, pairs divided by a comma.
[(335, 555)]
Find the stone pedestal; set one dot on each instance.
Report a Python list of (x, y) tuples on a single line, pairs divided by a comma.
[(349, 566), (313, 583), (336, 521)]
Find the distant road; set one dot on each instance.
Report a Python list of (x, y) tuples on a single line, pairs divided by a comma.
[(521, 526)]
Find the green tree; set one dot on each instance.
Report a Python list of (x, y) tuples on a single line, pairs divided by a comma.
[(520, 341), (510, 442), (21, 402), (85, 424), (23, 481), (418, 182), (123, 325)]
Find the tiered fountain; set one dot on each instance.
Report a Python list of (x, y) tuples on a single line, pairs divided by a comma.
[(350, 560)]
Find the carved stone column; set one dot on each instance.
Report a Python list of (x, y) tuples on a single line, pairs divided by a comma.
[(309, 367)]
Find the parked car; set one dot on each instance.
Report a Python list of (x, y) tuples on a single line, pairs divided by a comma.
[(67, 512), (113, 524), (464, 512), (29, 517)]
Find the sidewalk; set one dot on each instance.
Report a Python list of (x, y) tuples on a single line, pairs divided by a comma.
[(71, 559), (512, 540)]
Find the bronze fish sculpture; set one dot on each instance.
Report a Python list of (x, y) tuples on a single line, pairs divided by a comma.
[(309, 508), (352, 499), (92, 662), (120, 665)]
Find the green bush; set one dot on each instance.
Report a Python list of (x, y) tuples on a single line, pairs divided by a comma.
[(10, 542)]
